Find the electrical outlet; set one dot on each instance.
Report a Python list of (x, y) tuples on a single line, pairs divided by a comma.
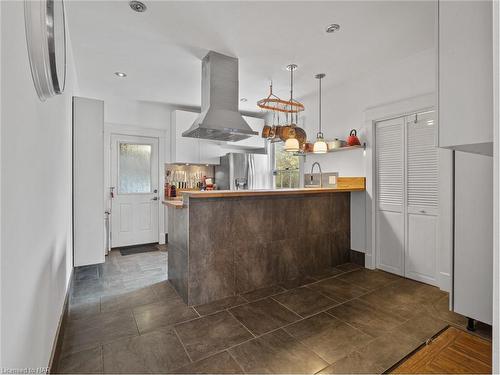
[(332, 180)]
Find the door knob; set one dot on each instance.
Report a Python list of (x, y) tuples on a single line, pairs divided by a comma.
[(154, 198)]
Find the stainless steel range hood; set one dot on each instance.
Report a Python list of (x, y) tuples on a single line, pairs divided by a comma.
[(219, 119)]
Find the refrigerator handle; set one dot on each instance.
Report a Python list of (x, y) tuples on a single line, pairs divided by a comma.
[(251, 170)]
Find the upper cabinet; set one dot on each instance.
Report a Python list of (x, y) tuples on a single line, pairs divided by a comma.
[(466, 76), (202, 151), (190, 150), (257, 142)]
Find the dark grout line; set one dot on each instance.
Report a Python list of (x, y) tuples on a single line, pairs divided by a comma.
[(235, 360), (182, 343), (244, 326)]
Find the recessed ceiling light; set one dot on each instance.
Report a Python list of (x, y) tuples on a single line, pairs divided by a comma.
[(243, 100), (138, 6), (333, 28), (120, 74)]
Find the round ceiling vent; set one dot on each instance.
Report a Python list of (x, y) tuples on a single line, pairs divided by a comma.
[(138, 6)]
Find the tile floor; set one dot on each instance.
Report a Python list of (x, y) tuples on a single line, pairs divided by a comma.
[(124, 317)]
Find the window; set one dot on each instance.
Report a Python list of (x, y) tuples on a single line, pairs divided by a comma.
[(286, 168), (134, 168)]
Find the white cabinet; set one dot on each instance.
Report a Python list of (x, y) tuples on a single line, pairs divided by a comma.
[(255, 142), (472, 293), (88, 181), (466, 76), (191, 150)]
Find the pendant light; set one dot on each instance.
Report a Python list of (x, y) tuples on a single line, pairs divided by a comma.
[(320, 146), (292, 143)]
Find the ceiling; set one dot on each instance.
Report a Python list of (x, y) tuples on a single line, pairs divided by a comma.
[(161, 49)]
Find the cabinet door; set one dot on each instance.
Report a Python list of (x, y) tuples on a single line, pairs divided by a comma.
[(184, 149), (466, 75), (390, 195), (210, 152), (473, 250), (257, 124), (422, 198)]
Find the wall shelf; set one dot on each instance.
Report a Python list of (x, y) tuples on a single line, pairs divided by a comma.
[(345, 148)]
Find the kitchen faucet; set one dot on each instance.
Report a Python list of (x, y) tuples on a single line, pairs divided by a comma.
[(320, 174)]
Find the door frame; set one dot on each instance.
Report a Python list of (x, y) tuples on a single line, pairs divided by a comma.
[(136, 131), (426, 102)]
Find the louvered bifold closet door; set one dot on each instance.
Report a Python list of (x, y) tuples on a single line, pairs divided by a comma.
[(390, 196), (422, 198)]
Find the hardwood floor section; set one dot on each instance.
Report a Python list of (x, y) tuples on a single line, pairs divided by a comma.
[(453, 351)]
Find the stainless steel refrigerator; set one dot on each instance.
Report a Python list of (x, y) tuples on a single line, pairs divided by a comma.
[(244, 171)]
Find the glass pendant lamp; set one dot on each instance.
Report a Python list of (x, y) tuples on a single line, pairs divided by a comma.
[(291, 145), (320, 146)]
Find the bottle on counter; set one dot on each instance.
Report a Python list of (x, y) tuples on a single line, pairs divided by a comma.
[(173, 191)]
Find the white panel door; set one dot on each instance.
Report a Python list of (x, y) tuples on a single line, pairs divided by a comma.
[(390, 195), (422, 198), (134, 176)]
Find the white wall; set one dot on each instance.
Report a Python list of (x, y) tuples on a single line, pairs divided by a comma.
[(36, 212), (344, 106)]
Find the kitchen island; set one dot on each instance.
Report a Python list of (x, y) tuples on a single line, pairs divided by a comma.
[(223, 243)]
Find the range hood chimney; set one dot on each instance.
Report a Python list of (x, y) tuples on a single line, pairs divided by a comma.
[(219, 119)]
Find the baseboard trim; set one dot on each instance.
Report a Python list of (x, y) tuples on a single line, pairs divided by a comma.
[(55, 356), (368, 261)]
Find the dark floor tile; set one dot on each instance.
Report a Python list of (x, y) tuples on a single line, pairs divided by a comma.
[(346, 267), (205, 336), (440, 308), (422, 327), (368, 279), (297, 282), (276, 353), (128, 300), (338, 289), (220, 363), (263, 315), (365, 317), (304, 301), (97, 329), (85, 362), (86, 273), (155, 352), (88, 288), (84, 307), (327, 273), (164, 290), (386, 350), (222, 304), (404, 297), (353, 363), (162, 314), (327, 336), (263, 293)]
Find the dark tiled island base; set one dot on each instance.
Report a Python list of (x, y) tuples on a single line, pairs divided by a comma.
[(125, 318), (222, 247)]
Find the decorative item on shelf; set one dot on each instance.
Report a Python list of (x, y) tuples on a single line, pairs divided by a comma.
[(293, 136), (320, 146), (335, 144), (353, 139)]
